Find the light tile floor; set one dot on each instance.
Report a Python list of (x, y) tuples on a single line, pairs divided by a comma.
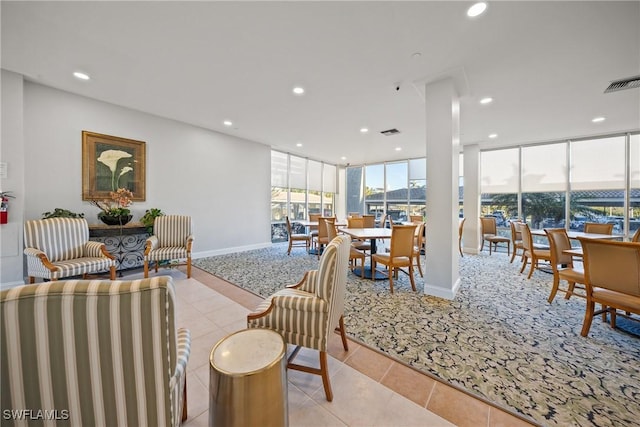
[(369, 388)]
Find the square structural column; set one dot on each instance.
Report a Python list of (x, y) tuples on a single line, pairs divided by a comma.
[(442, 278)]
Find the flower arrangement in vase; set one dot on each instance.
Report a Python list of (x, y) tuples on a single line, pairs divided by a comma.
[(115, 211)]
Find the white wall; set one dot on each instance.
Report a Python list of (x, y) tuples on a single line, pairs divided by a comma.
[(12, 153), (222, 181)]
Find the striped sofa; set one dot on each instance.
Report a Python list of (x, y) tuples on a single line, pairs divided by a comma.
[(93, 353), (172, 239), (60, 247), (306, 313)]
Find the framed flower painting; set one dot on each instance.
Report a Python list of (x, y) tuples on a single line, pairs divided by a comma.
[(109, 163)]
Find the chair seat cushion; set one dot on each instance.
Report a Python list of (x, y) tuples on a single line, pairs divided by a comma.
[(617, 299), (75, 267), (399, 261), (170, 252), (300, 237), (571, 274), (493, 238)]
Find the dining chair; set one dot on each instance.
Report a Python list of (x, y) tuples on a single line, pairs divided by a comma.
[(636, 236), (354, 214), (417, 249), (596, 227), (490, 234), (354, 254), (460, 230), (313, 229), (562, 263), (361, 245), (531, 252), (516, 239), (612, 278), (369, 221), (297, 239), (307, 313), (416, 218), (400, 255), (322, 239)]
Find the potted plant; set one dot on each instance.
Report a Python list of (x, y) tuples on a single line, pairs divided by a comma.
[(61, 213), (115, 211), (149, 217)]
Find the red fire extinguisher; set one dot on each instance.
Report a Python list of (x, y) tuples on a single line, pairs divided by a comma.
[(4, 206)]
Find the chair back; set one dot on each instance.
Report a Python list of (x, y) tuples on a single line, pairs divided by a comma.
[(289, 232), (559, 242), (402, 240), (516, 234), (416, 218), (331, 279), (636, 237), (355, 222), (419, 235), (527, 238), (369, 221), (330, 226), (611, 265), (314, 217), (172, 230), (354, 214), (60, 239), (105, 351), (383, 221), (596, 227), (322, 231), (488, 224)]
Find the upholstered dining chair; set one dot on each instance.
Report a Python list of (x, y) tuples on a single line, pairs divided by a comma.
[(490, 234), (172, 239), (354, 254), (460, 231), (369, 221), (530, 252), (108, 352), (417, 249), (400, 255), (612, 278), (562, 263), (307, 313), (60, 247), (321, 240), (516, 239), (360, 245), (596, 227), (636, 236), (297, 239), (416, 218), (313, 229)]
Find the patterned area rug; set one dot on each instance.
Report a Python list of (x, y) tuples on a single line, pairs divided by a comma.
[(498, 339)]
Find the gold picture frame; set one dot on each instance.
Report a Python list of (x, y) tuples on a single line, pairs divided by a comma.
[(110, 162)]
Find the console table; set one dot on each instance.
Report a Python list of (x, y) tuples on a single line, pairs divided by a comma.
[(125, 242)]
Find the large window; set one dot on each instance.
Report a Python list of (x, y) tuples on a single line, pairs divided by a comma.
[(299, 187), (499, 185)]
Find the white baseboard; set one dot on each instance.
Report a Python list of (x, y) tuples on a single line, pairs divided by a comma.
[(440, 292), (232, 250)]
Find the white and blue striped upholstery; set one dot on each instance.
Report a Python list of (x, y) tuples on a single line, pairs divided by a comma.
[(60, 247), (172, 239), (306, 313), (106, 352)]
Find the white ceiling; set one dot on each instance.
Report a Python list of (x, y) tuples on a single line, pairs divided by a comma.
[(546, 64)]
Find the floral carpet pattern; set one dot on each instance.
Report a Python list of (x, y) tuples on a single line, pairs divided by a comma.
[(499, 339)]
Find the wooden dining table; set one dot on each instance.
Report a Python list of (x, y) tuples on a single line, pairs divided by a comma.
[(372, 234), (575, 234)]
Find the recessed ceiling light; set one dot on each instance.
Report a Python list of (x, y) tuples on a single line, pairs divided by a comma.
[(598, 119), (299, 144), (227, 123), (364, 130), (493, 135), (416, 55), (476, 9), (343, 158), (487, 100), (80, 75), (298, 90), (398, 148)]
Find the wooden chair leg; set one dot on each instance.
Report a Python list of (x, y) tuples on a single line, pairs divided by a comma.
[(588, 316), (413, 283), (554, 290), (32, 280), (391, 273), (112, 273), (146, 269), (343, 334), (189, 267), (184, 399), (325, 376)]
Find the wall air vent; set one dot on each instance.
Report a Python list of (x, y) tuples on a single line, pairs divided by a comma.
[(390, 132), (621, 84)]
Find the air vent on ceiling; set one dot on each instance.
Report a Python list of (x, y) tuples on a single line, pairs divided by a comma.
[(621, 84), (390, 132)]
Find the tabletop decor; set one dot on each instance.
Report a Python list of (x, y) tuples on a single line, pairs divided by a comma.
[(110, 163), (115, 211)]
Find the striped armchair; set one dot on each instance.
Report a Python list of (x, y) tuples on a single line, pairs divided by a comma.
[(171, 239), (94, 353), (60, 247), (306, 313)]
